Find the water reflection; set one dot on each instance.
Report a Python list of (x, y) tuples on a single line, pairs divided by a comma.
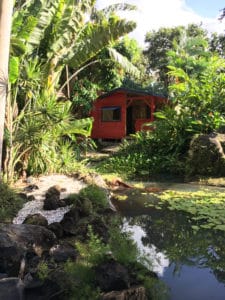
[(158, 259), (191, 262)]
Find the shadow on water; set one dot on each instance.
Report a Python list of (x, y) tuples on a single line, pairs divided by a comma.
[(191, 262)]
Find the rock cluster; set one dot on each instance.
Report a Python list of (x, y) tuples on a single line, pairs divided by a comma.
[(33, 253)]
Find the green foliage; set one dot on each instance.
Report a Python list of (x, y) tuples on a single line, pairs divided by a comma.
[(80, 282), (123, 247), (84, 93), (43, 137), (122, 60), (45, 37), (197, 97), (43, 270), (97, 196), (217, 44), (200, 94), (10, 203), (206, 208), (164, 40), (95, 251), (148, 154), (156, 289)]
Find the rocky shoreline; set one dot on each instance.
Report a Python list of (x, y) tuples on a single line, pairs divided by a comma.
[(34, 252)]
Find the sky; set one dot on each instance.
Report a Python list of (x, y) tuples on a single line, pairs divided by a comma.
[(153, 14)]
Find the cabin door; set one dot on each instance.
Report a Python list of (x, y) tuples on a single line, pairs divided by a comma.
[(130, 122)]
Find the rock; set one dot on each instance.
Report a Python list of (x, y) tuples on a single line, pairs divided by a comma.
[(52, 198), (93, 179), (30, 180), (99, 181), (23, 196), (11, 289), (206, 155), (134, 293), (111, 276), (3, 275), (36, 219), (62, 253), (30, 198), (38, 290), (53, 191), (30, 188), (16, 240), (32, 261), (56, 227), (70, 221)]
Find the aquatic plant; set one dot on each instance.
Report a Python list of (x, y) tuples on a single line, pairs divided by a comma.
[(206, 208)]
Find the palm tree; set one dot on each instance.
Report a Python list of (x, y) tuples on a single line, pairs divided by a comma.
[(6, 8)]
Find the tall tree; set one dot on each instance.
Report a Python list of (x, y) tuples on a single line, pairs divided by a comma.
[(160, 42), (6, 8)]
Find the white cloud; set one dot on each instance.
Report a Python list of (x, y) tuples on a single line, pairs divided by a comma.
[(153, 14)]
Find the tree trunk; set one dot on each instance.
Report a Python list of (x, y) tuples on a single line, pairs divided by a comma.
[(6, 9)]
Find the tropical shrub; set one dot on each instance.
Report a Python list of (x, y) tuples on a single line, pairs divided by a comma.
[(42, 137), (97, 196), (80, 282), (10, 203), (147, 155)]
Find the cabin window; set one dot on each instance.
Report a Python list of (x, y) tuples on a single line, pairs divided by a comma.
[(111, 113)]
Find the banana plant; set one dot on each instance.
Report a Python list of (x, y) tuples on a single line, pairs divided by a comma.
[(59, 33), (46, 36)]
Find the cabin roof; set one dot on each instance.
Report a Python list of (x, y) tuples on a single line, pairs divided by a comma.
[(128, 91)]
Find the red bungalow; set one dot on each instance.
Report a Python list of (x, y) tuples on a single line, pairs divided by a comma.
[(123, 111)]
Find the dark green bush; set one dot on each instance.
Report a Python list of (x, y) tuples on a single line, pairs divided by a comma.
[(10, 203), (96, 195)]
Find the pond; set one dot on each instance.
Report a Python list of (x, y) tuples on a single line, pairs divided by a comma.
[(186, 244)]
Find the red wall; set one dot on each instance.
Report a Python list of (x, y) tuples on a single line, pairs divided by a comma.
[(117, 129), (109, 130)]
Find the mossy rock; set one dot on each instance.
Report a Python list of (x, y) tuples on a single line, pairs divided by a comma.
[(97, 196), (206, 155)]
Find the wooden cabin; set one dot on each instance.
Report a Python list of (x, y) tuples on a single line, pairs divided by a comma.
[(122, 112)]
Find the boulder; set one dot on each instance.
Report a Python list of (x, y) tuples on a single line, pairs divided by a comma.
[(30, 188), (62, 253), (207, 155), (134, 293), (70, 221), (56, 227), (36, 219), (52, 198), (18, 239), (11, 289), (30, 198), (39, 290), (112, 276)]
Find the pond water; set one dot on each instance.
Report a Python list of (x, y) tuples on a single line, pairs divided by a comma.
[(190, 262)]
